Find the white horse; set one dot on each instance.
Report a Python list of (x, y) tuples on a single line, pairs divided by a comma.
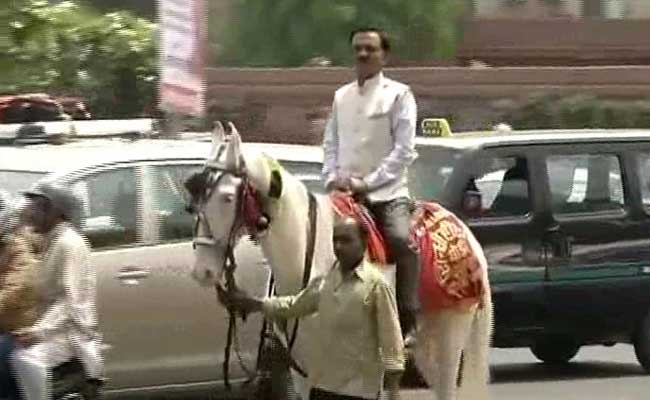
[(444, 337)]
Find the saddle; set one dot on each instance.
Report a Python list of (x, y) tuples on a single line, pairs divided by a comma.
[(450, 271)]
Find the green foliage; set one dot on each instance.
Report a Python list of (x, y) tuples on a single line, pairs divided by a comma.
[(291, 32), (70, 49), (579, 111)]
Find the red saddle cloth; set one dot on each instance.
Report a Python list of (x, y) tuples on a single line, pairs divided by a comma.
[(450, 271), (451, 274), (346, 206)]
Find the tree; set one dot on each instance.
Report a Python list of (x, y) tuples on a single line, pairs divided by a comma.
[(144, 8), (70, 49), (290, 32)]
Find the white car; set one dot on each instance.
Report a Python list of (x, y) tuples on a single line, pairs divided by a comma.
[(162, 331)]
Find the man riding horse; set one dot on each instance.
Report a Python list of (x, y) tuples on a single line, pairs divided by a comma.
[(368, 146)]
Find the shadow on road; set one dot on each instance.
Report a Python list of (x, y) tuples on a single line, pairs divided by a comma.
[(538, 372)]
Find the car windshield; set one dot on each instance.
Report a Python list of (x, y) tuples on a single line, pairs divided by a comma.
[(431, 171), (17, 181)]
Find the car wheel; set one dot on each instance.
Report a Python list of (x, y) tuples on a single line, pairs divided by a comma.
[(555, 350), (642, 343)]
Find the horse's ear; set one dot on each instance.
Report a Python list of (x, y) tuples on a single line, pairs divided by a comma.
[(233, 153), (218, 137)]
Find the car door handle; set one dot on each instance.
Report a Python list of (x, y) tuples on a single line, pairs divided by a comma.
[(131, 275)]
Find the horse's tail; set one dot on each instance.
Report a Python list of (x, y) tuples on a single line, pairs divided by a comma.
[(475, 371)]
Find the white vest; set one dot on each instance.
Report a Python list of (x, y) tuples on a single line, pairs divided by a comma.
[(364, 127)]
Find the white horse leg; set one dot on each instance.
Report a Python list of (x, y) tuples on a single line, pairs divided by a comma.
[(476, 372), (441, 341)]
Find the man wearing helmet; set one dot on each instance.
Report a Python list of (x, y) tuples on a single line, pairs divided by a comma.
[(65, 336)]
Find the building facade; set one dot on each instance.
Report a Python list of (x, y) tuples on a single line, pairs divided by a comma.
[(557, 33), (535, 9)]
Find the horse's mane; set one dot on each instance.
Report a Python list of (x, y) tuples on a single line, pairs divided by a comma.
[(284, 243)]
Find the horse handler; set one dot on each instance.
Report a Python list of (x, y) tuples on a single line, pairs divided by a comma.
[(360, 340)]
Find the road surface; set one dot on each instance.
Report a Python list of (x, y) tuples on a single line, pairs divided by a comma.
[(597, 373)]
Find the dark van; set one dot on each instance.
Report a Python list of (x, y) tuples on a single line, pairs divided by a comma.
[(564, 219)]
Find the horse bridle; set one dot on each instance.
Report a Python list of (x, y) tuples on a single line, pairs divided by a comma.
[(209, 240), (229, 264)]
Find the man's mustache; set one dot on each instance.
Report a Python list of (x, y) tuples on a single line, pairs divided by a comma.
[(362, 59)]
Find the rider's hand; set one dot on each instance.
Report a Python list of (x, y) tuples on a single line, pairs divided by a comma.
[(358, 186), (340, 184)]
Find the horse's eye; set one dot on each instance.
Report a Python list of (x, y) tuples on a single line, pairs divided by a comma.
[(228, 198)]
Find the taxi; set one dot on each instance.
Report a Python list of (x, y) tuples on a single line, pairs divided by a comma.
[(564, 219)]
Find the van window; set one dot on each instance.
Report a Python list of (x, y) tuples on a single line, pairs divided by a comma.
[(503, 186), (431, 171), (644, 172), (585, 183)]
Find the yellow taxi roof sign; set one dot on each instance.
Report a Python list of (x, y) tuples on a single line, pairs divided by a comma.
[(435, 127)]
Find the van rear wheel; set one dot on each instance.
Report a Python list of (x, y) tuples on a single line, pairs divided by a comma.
[(642, 343), (554, 351)]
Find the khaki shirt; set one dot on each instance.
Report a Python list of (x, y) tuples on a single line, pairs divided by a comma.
[(18, 269), (359, 335)]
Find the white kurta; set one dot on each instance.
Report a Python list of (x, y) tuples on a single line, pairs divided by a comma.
[(67, 327), (371, 135)]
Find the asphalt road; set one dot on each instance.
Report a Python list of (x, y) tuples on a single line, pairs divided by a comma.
[(596, 373)]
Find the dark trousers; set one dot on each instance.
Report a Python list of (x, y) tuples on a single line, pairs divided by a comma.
[(318, 394), (8, 384), (394, 220)]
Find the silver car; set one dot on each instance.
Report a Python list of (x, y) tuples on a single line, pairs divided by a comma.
[(163, 333)]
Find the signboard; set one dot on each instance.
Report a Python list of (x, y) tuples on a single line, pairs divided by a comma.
[(183, 36), (436, 127)]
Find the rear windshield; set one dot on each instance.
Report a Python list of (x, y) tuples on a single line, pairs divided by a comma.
[(16, 181), (430, 172)]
